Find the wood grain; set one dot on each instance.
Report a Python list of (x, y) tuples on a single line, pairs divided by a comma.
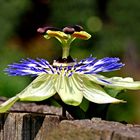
[(33, 126)]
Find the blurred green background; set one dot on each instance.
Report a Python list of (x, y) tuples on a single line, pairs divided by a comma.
[(114, 26)]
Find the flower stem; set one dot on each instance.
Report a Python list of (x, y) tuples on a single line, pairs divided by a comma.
[(65, 52)]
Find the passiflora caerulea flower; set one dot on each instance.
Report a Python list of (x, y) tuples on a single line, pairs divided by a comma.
[(71, 79)]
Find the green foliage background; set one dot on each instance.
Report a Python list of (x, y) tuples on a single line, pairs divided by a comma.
[(114, 28)]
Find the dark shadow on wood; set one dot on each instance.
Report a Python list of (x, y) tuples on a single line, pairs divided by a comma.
[(31, 126), (3, 117)]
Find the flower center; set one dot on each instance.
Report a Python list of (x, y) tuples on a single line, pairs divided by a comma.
[(65, 36)]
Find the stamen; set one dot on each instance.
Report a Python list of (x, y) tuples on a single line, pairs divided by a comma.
[(45, 29), (68, 30), (78, 28)]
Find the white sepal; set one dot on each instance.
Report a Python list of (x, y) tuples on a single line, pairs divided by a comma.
[(69, 89), (118, 83), (96, 93), (40, 89), (7, 105)]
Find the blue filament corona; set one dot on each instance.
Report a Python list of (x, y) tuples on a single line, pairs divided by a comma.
[(89, 65)]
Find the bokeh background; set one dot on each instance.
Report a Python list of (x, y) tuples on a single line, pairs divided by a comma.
[(114, 26)]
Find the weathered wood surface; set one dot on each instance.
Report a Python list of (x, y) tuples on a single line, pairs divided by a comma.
[(50, 126), (26, 126)]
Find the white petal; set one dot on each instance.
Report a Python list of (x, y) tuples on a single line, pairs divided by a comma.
[(118, 83), (6, 105), (96, 94), (40, 89), (69, 89)]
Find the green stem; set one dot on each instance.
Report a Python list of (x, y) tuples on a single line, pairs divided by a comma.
[(66, 46), (65, 52)]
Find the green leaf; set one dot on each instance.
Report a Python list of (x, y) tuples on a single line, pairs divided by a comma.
[(69, 89), (84, 105), (117, 83), (112, 92), (40, 89), (96, 94)]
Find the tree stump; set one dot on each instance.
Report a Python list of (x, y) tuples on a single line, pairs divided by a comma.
[(32, 126), (50, 126)]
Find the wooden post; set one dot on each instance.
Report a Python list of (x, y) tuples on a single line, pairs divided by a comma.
[(26, 126), (33, 126)]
